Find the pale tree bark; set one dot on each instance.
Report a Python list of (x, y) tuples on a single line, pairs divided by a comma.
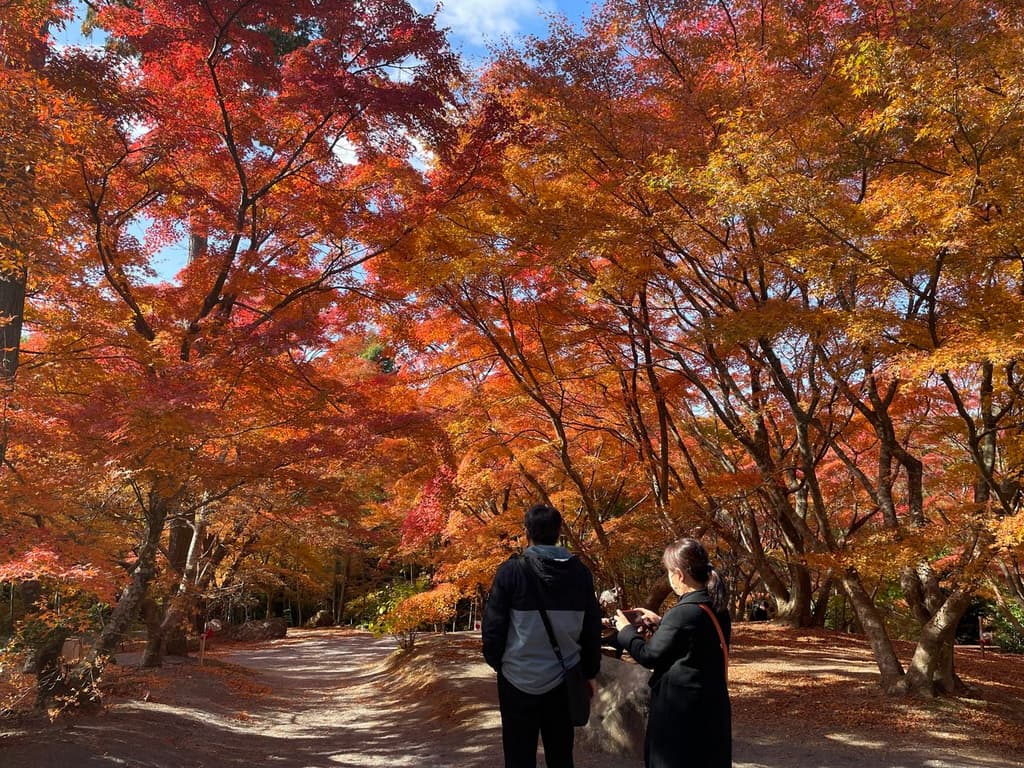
[(937, 613), (795, 611), (174, 611), (205, 554), (931, 670), (791, 598), (339, 589)]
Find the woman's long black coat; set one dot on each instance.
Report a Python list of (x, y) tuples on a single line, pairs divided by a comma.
[(690, 720)]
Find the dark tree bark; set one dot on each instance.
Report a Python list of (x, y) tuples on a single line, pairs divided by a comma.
[(796, 610), (127, 608), (342, 565), (44, 662), (871, 621), (657, 594), (820, 613), (12, 310), (163, 638)]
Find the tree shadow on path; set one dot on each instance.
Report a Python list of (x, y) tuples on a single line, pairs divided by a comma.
[(326, 698)]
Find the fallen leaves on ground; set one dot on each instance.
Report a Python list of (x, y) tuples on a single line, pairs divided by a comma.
[(786, 681)]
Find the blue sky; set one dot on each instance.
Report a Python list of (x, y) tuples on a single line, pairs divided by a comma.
[(476, 23), (473, 24)]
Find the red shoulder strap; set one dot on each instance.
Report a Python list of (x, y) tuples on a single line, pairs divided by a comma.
[(721, 637)]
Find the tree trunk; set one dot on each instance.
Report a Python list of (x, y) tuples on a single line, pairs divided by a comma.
[(796, 611), (12, 310), (657, 595), (127, 607), (739, 601), (874, 627), (44, 662), (152, 617), (170, 624), (931, 671), (170, 636), (1003, 605), (14, 278), (340, 586), (820, 613), (179, 543)]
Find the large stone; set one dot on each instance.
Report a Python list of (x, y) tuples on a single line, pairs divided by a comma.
[(618, 712), (252, 631)]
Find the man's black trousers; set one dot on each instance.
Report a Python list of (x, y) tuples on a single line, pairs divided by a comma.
[(524, 716)]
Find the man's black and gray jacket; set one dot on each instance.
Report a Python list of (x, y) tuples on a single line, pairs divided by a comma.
[(515, 641)]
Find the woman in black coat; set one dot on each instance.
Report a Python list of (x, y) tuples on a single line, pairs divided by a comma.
[(690, 720)]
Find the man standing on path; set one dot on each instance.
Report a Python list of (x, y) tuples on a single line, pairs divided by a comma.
[(531, 689)]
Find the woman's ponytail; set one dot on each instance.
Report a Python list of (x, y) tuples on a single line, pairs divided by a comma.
[(717, 591)]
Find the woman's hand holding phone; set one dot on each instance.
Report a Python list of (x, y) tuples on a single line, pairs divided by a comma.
[(648, 616), (644, 620)]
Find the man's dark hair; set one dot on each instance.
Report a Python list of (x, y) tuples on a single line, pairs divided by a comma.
[(543, 524)]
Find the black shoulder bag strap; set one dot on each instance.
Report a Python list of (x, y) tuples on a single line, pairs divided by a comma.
[(531, 580)]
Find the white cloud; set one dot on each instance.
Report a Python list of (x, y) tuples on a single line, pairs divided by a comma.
[(345, 152), (479, 22)]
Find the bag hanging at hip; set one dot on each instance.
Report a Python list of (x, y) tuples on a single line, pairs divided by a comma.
[(577, 688)]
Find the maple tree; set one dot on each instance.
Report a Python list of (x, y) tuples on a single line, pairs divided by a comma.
[(280, 137), (759, 221)]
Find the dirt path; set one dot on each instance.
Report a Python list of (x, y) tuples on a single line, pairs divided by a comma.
[(328, 698), (352, 713), (370, 716), (317, 698)]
